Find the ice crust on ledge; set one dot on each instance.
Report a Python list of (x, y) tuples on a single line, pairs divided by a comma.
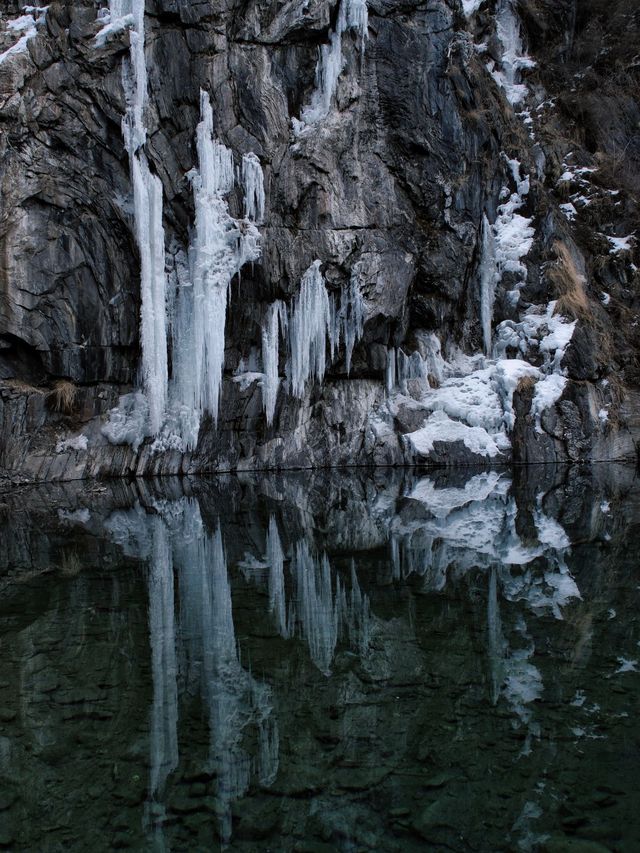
[(25, 27), (440, 427), (470, 7), (77, 443), (473, 402)]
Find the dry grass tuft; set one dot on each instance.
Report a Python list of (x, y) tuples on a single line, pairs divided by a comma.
[(569, 285), (21, 387), (62, 397), (527, 383), (71, 565)]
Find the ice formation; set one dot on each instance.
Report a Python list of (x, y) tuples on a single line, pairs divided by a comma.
[(350, 318), (315, 326), (275, 324), (119, 16), (353, 14), (470, 7), (513, 60), (473, 402), (513, 233), (147, 197), (310, 329), (489, 277), (194, 307), (78, 442), (126, 422), (502, 247), (221, 246), (253, 185)]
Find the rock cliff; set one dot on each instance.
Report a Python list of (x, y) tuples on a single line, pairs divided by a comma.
[(407, 234)]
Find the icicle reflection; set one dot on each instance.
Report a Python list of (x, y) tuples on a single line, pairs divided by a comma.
[(196, 655), (304, 557)]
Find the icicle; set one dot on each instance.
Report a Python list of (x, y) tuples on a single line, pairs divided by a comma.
[(390, 378), (408, 367), (309, 324), (275, 320), (353, 14), (357, 17), (350, 320), (253, 183), (147, 202), (488, 280), (220, 248), (431, 354), (513, 233), (147, 198)]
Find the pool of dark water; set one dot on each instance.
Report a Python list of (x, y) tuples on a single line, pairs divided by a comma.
[(320, 662)]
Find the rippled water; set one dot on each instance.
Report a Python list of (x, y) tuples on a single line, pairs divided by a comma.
[(323, 662)]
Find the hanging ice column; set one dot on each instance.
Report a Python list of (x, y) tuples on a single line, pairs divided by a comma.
[(276, 321), (140, 416), (313, 322), (350, 318), (253, 183), (220, 248), (353, 14), (310, 324), (147, 202), (502, 247), (489, 277)]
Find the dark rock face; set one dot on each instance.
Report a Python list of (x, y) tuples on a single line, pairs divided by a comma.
[(396, 178)]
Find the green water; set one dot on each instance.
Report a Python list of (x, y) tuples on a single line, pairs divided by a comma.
[(323, 662)]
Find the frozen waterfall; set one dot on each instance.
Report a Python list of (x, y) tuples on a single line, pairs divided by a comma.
[(353, 14), (220, 248), (513, 59), (136, 417)]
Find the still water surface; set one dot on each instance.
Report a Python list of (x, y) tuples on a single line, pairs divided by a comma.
[(323, 662)]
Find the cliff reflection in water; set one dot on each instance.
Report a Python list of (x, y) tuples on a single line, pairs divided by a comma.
[(341, 657)]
